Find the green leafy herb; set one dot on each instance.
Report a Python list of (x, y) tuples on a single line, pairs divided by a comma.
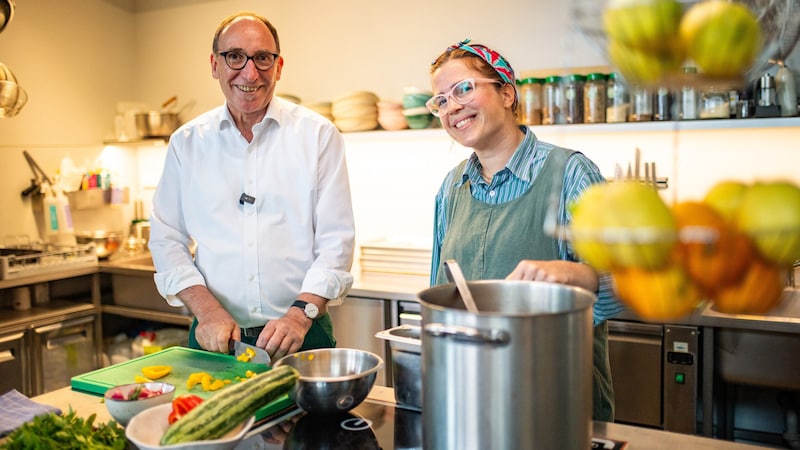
[(68, 432)]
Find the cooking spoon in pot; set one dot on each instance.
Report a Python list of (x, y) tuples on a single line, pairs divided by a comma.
[(454, 274)]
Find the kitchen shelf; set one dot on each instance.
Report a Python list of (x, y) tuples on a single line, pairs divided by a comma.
[(672, 125), (156, 142), (154, 316)]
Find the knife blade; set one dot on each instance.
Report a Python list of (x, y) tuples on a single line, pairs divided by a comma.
[(258, 354)]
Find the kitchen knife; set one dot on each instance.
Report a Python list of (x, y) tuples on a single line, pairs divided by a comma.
[(260, 356)]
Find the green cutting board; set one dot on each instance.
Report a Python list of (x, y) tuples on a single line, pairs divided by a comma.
[(184, 361)]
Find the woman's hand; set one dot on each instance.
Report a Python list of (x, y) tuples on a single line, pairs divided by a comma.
[(556, 271)]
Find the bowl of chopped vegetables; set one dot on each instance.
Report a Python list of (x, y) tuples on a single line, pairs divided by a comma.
[(125, 401)]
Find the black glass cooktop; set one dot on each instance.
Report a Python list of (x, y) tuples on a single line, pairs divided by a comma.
[(370, 426)]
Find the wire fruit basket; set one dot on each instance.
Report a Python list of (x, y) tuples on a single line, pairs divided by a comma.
[(667, 261), (651, 41)]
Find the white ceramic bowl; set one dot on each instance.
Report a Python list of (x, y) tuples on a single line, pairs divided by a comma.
[(146, 428), (123, 410)]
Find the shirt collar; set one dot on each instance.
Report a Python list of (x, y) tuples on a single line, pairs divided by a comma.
[(519, 164), (274, 113)]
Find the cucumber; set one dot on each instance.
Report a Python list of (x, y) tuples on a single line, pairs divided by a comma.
[(231, 406)]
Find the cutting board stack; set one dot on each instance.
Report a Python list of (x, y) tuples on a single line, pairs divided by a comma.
[(323, 108), (355, 111), (394, 262)]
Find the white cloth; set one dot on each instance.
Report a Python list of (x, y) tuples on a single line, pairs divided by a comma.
[(297, 236)]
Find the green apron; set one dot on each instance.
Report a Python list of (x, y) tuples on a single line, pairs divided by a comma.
[(320, 335), (486, 241)]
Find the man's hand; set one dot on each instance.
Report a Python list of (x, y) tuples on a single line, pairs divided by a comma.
[(214, 325), (283, 336)]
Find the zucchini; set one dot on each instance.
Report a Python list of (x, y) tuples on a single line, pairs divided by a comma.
[(223, 411)]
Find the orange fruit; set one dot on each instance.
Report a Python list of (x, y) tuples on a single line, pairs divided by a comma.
[(713, 252), (659, 294), (758, 291)]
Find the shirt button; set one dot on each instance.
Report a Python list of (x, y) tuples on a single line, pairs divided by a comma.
[(492, 193), (252, 278), (253, 309)]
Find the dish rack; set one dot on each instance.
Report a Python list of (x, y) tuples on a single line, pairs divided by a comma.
[(35, 259)]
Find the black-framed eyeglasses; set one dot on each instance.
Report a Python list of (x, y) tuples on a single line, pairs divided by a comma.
[(237, 59), (462, 93)]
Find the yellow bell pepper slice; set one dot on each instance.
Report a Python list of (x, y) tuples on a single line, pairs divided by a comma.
[(140, 379), (156, 372), (195, 378)]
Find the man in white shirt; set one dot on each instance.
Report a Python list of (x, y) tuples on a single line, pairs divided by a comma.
[(259, 189)]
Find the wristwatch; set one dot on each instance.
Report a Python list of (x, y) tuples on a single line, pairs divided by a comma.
[(309, 309)]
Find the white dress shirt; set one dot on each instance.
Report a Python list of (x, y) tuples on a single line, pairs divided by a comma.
[(297, 235)]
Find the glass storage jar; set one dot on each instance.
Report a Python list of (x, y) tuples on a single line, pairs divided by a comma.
[(715, 104), (688, 95), (617, 99), (530, 101), (553, 106), (662, 109), (641, 105), (573, 98), (594, 98)]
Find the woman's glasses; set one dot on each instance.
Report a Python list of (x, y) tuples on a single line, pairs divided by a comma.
[(462, 93)]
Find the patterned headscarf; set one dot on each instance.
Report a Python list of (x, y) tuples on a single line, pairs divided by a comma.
[(496, 60)]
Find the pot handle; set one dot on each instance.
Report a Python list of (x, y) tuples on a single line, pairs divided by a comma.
[(467, 334)]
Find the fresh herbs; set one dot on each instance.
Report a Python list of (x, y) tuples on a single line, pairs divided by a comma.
[(67, 432)]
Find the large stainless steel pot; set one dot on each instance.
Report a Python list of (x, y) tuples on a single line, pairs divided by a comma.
[(518, 374), (157, 124)]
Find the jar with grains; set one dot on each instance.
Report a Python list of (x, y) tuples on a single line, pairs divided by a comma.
[(573, 98), (530, 101), (617, 99), (714, 104), (553, 106), (594, 98)]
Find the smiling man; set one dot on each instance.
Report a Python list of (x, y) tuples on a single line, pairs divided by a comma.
[(252, 223)]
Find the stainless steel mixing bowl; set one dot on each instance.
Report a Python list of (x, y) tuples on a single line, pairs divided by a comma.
[(332, 380)]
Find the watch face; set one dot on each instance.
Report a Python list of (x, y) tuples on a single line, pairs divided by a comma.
[(311, 310)]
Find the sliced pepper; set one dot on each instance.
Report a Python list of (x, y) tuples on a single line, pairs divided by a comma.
[(195, 378), (140, 379), (156, 372), (182, 405)]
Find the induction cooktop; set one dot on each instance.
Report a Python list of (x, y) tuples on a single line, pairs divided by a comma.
[(371, 425)]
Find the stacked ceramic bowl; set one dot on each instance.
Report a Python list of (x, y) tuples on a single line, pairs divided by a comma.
[(323, 108), (417, 115), (390, 116), (355, 111)]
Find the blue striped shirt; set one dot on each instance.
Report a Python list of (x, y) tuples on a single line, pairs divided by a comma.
[(510, 183)]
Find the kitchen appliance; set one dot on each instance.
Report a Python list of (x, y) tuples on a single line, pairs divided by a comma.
[(655, 373), (13, 364), (406, 351), (372, 425), (516, 375), (35, 259), (62, 349), (766, 105)]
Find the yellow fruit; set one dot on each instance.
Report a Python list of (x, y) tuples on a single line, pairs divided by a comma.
[(770, 214), (623, 224), (725, 197), (644, 67), (648, 25), (723, 38), (712, 251), (661, 294), (758, 291)]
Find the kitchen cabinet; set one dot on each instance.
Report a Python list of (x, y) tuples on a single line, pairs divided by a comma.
[(60, 349), (355, 323), (14, 364)]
